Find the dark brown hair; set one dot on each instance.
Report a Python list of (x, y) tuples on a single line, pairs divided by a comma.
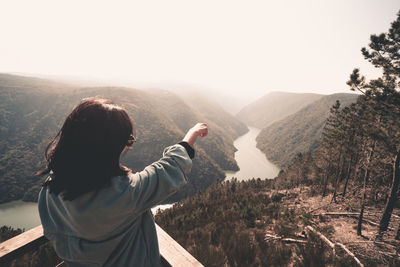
[(85, 153)]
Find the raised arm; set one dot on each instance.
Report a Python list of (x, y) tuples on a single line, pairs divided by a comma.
[(200, 129), (162, 178)]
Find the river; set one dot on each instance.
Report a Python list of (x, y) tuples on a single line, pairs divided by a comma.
[(19, 214), (251, 161)]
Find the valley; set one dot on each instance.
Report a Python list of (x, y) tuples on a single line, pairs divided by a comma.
[(299, 132), (32, 110), (307, 157), (252, 162)]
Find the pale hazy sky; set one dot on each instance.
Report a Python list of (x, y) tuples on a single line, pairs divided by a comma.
[(245, 48)]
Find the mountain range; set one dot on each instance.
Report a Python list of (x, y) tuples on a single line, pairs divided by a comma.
[(32, 110)]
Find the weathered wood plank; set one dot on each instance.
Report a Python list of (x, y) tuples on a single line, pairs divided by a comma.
[(174, 253), (20, 244)]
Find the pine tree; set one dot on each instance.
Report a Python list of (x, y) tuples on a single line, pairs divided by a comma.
[(331, 136), (383, 95)]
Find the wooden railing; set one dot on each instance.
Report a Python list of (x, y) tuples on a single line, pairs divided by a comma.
[(172, 254)]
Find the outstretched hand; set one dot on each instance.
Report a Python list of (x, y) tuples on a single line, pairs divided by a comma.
[(200, 129)]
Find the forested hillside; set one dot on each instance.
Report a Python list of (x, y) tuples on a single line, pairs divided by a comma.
[(27, 122), (250, 223), (299, 132), (274, 107), (31, 116), (226, 225), (224, 128)]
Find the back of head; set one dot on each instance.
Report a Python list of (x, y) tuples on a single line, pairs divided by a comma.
[(85, 154)]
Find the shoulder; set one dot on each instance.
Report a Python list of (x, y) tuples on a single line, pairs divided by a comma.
[(121, 183)]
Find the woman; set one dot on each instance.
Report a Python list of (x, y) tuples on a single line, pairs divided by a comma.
[(95, 210)]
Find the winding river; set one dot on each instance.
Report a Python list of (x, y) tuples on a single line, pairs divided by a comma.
[(252, 163)]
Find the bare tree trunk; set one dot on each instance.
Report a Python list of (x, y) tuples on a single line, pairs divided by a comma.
[(347, 175), (356, 171), (366, 177), (325, 182), (338, 174), (387, 213), (352, 156), (398, 233)]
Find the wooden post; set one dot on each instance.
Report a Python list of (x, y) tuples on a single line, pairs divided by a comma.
[(173, 253)]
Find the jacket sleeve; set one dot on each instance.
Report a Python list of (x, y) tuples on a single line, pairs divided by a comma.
[(161, 179)]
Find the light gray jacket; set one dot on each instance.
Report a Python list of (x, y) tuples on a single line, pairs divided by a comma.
[(114, 226)]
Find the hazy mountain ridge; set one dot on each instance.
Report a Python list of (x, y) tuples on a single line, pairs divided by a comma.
[(213, 111), (299, 132), (30, 117), (219, 142), (33, 83), (273, 107)]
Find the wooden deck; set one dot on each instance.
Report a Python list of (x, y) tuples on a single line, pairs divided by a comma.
[(172, 254)]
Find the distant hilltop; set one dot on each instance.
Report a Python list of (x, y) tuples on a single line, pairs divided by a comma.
[(273, 107), (299, 132), (291, 123)]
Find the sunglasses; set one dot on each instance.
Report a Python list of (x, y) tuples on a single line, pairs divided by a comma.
[(131, 140)]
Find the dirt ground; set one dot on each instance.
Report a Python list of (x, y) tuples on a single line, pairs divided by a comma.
[(370, 249)]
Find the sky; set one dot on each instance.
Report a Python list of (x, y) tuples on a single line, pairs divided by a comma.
[(244, 49)]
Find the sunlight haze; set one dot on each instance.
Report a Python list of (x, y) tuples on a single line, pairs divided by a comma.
[(240, 48)]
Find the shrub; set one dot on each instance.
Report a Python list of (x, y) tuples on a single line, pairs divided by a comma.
[(277, 197)]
